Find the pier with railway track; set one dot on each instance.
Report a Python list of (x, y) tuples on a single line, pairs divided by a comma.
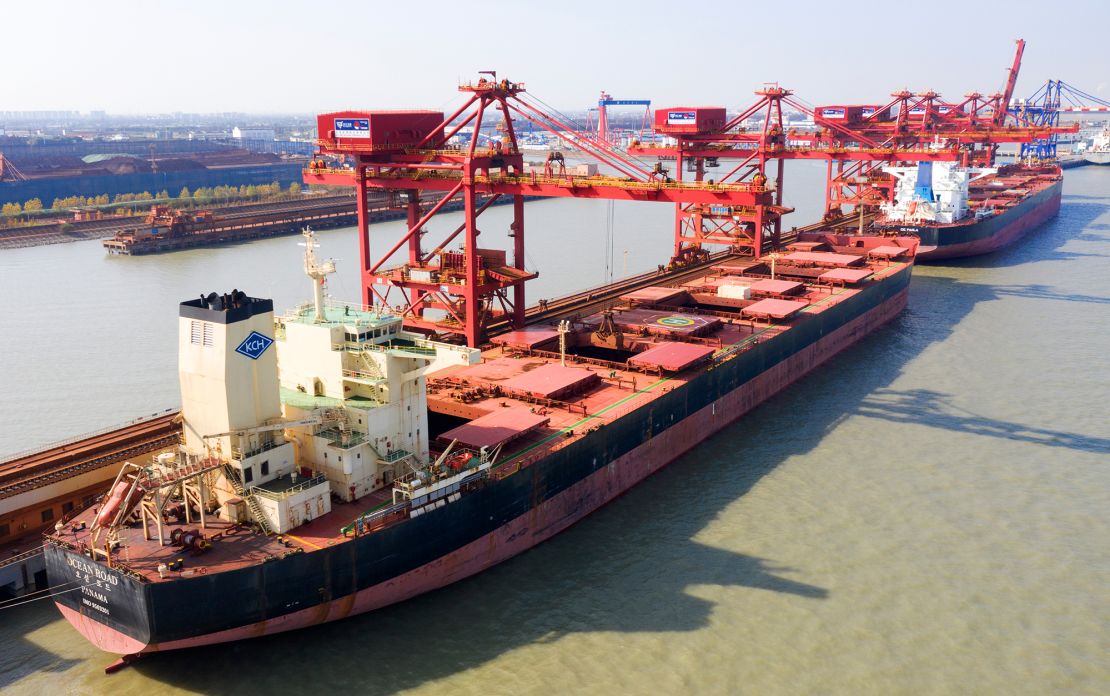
[(43, 487)]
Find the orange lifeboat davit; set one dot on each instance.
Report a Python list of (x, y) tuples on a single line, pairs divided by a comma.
[(116, 500)]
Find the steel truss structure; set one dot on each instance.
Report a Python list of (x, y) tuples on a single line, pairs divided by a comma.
[(471, 288)]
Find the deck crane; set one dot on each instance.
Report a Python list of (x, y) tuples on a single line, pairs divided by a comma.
[(280, 425), (1011, 82), (461, 292)]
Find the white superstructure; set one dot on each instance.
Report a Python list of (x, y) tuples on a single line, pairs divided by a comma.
[(931, 192), (1099, 151), (328, 399)]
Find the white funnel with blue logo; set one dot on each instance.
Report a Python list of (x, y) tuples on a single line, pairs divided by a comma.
[(228, 370)]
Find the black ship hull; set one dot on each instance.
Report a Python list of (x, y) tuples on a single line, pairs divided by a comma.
[(124, 614), (985, 236)]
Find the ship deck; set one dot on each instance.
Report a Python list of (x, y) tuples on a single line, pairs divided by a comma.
[(540, 405)]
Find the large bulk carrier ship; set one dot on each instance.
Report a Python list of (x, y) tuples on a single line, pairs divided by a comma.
[(334, 462), (961, 211)]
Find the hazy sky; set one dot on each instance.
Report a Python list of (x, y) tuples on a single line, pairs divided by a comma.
[(286, 55)]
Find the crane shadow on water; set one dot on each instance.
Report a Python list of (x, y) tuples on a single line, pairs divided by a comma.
[(628, 568), (935, 409)]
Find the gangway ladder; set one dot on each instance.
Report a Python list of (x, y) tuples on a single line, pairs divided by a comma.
[(257, 513)]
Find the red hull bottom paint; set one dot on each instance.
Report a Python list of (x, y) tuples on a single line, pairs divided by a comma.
[(544, 521), (1006, 236)]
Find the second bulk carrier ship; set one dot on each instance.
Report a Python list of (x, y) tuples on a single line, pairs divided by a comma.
[(961, 211), (334, 463)]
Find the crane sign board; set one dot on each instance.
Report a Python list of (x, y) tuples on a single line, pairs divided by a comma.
[(352, 128), (689, 119), (681, 118)]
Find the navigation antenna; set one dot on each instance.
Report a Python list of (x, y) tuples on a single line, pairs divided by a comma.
[(316, 271)]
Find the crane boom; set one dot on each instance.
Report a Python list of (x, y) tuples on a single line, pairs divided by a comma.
[(1011, 81), (313, 420)]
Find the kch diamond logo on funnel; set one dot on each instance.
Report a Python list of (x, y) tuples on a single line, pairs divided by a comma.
[(254, 345)]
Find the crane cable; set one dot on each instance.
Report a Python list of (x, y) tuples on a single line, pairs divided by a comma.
[(580, 129), (609, 240)]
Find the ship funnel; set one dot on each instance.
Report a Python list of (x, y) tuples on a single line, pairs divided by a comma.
[(227, 367)]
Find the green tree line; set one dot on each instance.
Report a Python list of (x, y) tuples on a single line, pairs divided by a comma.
[(201, 197)]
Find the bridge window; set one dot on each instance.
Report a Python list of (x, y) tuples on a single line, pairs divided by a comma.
[(266, 468), (67, 507), (88, 500), (47, 514), (248, 474), (5, 530)]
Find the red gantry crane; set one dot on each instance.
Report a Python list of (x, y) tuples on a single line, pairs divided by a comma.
[(856, 141), (410, 152)]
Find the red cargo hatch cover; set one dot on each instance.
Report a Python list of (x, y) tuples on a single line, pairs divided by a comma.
[(776, 287), (845, 275), (824, 258), (889, 252), (656, 294), (496, 428), (671, 356), (773, 309), (552, 381), (528, 338)]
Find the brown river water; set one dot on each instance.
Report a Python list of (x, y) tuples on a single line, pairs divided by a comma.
[(926, 514)]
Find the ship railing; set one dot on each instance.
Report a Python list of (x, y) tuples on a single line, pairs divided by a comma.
[(239, 454), (83, 550), (375, 519), (416, 352), (358, 347), (292, 490), (437, 346), (367, 376), (600, 362), (746, 344), (344, 439)]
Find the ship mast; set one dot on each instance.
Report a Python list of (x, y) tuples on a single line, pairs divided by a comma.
[(316, 271)]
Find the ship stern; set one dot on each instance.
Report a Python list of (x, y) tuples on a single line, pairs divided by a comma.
[(106, 605)]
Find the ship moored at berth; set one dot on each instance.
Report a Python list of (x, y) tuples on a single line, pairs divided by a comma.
[(965, 211), (334, 463)]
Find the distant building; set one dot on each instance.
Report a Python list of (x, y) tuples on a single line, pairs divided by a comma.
[(252, 133)]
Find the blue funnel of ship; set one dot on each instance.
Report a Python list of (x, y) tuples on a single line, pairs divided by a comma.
[(924, 189)]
